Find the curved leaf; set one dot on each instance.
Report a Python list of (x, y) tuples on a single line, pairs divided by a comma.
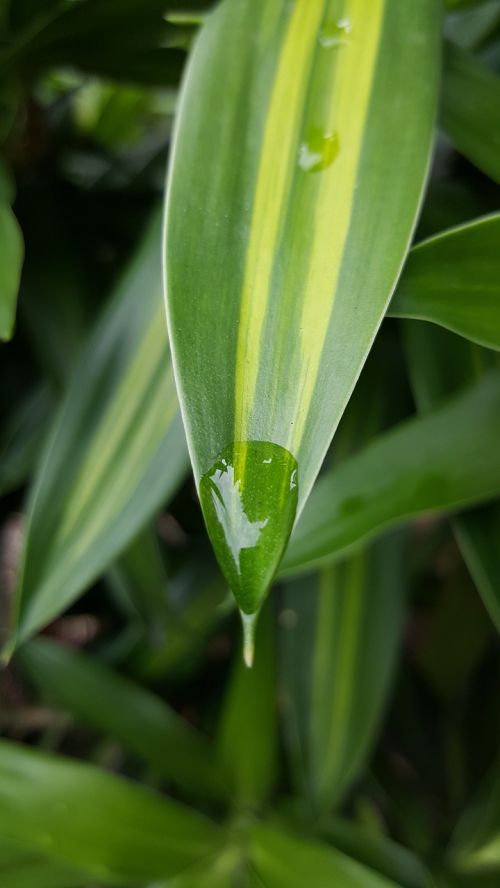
[(112, 830), (116, 453), (284, 241), (440, 462), (453, 279), (141, 722)]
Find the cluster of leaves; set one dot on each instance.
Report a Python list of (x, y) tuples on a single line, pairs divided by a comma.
[(362, 748)]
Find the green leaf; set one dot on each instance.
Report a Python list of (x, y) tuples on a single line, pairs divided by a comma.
[(470, 99), (441, 462), (452, 279), (113, 830), (20, 868), (478, 534), (282, 859), (141, 722), (140, 581), (284, 242), (441, 364), (376, 851), (116, 454), (341, 635), (475, 844), (11, 259), (249, 732)]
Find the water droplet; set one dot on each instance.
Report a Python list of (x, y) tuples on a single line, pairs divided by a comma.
[(249, 500), (318, 151), (335, 34)]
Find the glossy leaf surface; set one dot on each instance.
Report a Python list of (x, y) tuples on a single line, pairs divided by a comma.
[(453, 279), (112, 830), (283, 243), (441, 462), (138, 720), (116, 453)]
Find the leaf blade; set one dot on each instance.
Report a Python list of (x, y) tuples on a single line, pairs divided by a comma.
[(276, 300)]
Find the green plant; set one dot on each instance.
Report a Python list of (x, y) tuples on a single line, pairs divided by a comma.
[(333, 303)]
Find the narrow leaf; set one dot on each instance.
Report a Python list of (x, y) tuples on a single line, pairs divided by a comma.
[(453, 279), (441, 364), (470, 102), (377, 851), (280, 859), (141, 722), (11, 258), (116, 453), (340, 639), (112, 830), (443, 461), (283, 243)]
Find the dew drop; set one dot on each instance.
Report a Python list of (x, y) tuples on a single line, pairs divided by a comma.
[(318, 151), (335, 34), (249, 501)]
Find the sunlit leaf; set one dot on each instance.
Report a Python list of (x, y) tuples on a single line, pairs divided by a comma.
[(284, 242)]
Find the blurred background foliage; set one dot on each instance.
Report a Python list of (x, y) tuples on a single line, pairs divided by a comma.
[(363, 748)]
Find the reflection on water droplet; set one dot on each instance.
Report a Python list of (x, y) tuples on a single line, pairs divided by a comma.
[(249, 500), (318, 151), (334, 34)]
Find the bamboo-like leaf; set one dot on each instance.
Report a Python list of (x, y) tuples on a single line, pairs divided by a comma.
[(280, 859), (471, 98), (11, 258), (444, 461), (300, 154), (117, 450), (453, 279), (141, 722), (114, 831), (340, 638)]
